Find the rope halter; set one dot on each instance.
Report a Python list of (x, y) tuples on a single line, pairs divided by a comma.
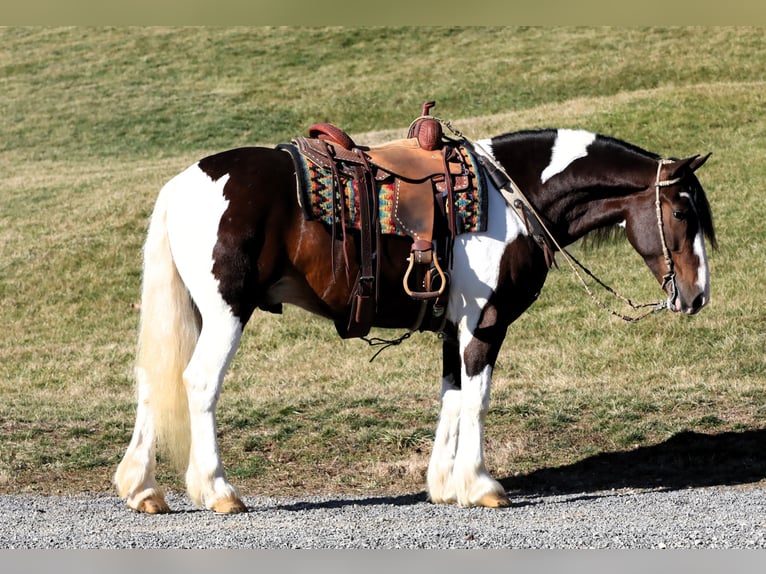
[(669, 279)]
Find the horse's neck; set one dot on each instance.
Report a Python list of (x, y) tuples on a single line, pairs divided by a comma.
[(591, 187), (582, 213), (587, 199)]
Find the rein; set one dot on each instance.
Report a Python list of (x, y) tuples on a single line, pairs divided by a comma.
[(668, 278)]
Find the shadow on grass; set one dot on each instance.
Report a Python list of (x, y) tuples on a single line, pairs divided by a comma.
[(686, 460)]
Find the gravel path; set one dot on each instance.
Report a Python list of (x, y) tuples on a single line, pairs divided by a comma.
[(689, 518)]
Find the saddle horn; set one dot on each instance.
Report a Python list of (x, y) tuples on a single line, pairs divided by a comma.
[(427, 129)]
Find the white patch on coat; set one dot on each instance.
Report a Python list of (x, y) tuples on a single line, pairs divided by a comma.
[(703, 276), (569, 146), (196, 204), (476, 257)]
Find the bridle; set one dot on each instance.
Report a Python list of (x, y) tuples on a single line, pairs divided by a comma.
[(670, 277)]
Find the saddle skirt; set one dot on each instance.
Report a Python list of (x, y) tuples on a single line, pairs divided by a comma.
[(409, 181)]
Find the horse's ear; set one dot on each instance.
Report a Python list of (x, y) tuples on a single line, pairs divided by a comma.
[(692, 163), (699, 161)]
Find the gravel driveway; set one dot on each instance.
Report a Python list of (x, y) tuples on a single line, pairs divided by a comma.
[(714, 517)]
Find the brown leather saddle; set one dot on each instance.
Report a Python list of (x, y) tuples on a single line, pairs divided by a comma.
[(424, 172)]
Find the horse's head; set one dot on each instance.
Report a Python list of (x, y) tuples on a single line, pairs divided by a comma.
[(669, 232)]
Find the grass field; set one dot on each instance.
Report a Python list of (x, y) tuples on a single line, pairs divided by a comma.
[(95, 120)]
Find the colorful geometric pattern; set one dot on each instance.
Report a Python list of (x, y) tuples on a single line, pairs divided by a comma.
[(470, 204)]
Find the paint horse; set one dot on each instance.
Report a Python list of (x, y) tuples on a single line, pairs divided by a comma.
[(228, 236)]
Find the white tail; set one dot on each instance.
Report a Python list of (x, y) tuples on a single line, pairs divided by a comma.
[(168, 333)]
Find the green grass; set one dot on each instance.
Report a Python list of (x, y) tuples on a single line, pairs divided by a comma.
[(95, 120)]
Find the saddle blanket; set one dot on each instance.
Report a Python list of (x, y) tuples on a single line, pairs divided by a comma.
[(316, 193)]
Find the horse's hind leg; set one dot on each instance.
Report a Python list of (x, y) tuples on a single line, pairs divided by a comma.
[(194, 217), (203, 376), (205, 480), (135, 474)]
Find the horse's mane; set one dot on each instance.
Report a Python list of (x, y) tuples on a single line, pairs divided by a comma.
[(548, 135)]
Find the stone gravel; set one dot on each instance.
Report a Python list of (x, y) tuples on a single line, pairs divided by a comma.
[(647, 519)]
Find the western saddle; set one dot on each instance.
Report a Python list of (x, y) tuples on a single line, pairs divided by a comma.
[(427, 169)]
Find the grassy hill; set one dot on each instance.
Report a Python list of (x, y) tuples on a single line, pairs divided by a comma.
[(95, 120)]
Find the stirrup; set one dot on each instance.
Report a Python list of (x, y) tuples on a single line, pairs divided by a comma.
[(422, 253)]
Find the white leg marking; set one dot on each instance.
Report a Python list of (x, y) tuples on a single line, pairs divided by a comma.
[(135, 474), (470, 477), (441, 488), (219, 339), (569, 146)]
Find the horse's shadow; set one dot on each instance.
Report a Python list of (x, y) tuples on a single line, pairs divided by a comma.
[(686, 460)]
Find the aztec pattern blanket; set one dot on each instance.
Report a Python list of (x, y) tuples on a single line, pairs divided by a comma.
[(316, 188)]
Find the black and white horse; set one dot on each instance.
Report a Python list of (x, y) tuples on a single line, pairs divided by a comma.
[(228, 237)]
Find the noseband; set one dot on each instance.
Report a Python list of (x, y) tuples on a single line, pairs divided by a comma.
[(670, 277)]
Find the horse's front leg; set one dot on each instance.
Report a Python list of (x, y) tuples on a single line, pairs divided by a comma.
[(457, 471), (441, 488), (473, 484)]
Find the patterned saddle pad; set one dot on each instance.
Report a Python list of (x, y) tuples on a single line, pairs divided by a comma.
[(316, 193)]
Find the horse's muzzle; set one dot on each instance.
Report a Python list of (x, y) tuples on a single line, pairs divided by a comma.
[(678, 304)]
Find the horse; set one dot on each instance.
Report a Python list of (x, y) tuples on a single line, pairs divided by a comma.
[(228, 236)]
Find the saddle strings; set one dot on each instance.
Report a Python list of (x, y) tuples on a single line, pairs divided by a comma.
[(385, 343)]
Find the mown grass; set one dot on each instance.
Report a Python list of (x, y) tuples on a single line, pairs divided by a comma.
[(96, 120)]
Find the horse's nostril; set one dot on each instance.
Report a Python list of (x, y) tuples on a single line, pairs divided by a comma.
[(698, 303)]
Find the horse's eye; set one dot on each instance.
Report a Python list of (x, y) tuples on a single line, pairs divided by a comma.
[(680, 215)]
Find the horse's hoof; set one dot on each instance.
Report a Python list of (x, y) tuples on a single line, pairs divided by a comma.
[(153, 505), (229, 506), (494, 500)]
